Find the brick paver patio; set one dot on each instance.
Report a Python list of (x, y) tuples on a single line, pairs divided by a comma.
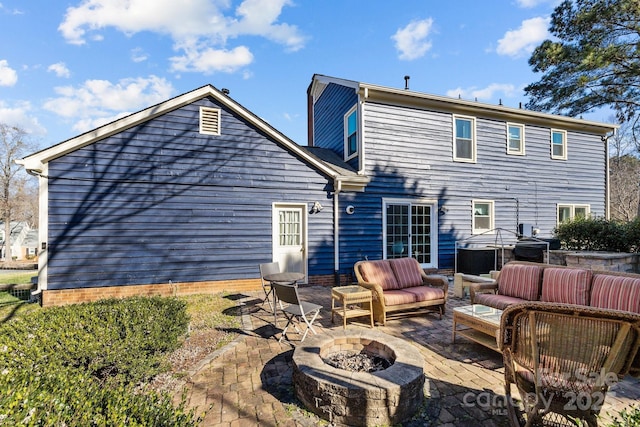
[(249, 383)]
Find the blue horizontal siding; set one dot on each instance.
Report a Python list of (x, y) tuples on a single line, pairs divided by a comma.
[(160, 202), (328, 117), (409, 155)]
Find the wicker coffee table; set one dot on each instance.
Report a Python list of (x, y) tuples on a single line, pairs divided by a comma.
[(482, 322), (354, 300)]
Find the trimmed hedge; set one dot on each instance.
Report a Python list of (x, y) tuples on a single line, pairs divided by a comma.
[(598, 234), (82, 365)]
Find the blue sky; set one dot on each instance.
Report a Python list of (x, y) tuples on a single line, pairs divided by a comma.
[(67, 67)]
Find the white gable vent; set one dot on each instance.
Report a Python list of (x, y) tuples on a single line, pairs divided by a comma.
[(209, 121)]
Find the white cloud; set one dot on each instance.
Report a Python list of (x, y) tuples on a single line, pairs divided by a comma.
[(60, 68), (138, 55), (89, 123), (203, 24), (522, 41), (99, 101), (483, 94), (209, 60), (411, 41), (8, 76), (528, 4), (258, 18), (12, 11), (20, 115)]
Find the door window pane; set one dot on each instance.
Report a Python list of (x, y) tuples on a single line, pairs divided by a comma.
[(421, 233), (290, 228), (397, 231)]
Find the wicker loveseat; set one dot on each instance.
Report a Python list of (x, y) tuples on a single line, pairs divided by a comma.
[(520, 281), (399, 285)]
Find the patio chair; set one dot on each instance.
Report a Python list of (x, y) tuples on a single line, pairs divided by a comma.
[(563, 359), (268, 268), (295, 310)]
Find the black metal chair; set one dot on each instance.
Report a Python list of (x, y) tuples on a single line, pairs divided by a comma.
[(295, 309), (265, 269)]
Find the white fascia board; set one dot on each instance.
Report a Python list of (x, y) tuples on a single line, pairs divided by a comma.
[(404, 96)]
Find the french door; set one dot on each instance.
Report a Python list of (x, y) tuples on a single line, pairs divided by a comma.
[(411, 230)]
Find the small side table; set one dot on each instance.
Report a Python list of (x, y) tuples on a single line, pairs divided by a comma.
[(355, 301)]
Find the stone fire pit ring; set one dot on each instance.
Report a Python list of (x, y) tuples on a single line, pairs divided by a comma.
[(384, 397)]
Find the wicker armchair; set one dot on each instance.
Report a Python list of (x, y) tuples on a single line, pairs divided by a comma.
[(563, 358)]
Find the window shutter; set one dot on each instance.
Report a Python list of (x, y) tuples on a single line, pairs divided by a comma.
[(209, 121)]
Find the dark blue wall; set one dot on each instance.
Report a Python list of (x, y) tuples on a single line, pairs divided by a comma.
[(160, 202), (328, 119)]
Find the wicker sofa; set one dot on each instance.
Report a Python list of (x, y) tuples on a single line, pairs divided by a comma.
[(400, 285), (521, 281)]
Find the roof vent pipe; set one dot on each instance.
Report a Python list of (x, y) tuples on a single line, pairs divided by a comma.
[(406, 82), (225, 91)]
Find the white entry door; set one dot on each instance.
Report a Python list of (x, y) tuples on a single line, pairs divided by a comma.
[(290, 237)]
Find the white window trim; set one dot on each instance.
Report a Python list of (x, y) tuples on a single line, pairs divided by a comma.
[(434, 225), (207, 128), (492, 217), (346, 130), (564, 144), (573, 207), (520, 152), (473, 140)]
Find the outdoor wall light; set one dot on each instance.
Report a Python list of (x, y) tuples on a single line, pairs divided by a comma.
[(317, 207), (443, 210), (350, 210)]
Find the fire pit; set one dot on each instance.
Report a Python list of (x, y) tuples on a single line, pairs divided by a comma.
[(384, 396)]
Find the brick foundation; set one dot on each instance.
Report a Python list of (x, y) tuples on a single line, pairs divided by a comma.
[(51, 298)]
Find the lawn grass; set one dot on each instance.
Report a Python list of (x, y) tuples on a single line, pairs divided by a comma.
[(14, 302), (18, 278)]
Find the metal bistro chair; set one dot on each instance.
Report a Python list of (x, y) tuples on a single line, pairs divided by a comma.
[(296, 309), (563, 358), (265, 269)]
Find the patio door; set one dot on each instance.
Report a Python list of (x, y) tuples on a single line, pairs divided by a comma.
[(290, 237), (411, 230)]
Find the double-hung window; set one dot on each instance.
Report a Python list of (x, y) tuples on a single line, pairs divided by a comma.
[(568, 212), (558, 144), (515, 139), (483, 215), (351, 133), (464, 139)]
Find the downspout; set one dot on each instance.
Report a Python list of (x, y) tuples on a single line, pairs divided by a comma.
[(607, 180), (336, 231), (361, 104), (43, 226)]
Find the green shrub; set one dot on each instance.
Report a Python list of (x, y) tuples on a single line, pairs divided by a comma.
[(82, 365), (629, 417), (598, 234)]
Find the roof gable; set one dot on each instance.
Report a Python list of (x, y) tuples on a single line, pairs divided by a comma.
[(36, 161)]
